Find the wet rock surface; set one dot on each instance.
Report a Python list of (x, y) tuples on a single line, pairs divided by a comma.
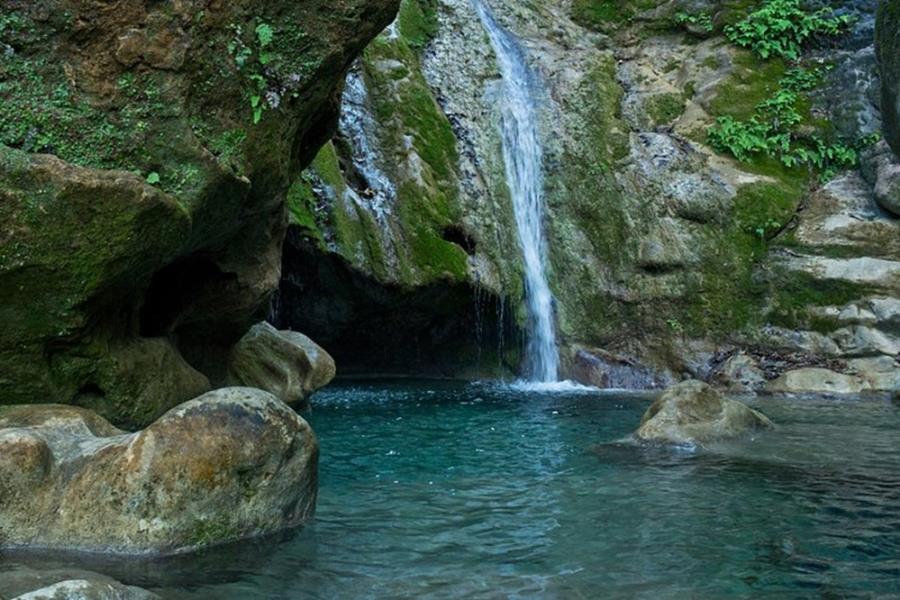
[(692, 412), (20, 582), (231, 464)]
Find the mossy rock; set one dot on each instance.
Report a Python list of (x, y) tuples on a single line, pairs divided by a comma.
[(143, 195)]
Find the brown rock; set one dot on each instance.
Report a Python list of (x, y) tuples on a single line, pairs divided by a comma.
[(231, 464), (692, 412), (285, 363)]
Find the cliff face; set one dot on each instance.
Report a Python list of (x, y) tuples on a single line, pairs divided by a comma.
[(887, 42), (667, 256), (145, 153)]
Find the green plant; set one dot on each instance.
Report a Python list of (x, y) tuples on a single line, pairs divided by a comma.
[(782, 27), (773, 131), (153, 178), (703, 20), (243, 55)]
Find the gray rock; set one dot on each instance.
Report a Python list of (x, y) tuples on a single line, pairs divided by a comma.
[(740, 373), (284, 363), (232, 464), (25, 583), (818, 381), (692, 412)]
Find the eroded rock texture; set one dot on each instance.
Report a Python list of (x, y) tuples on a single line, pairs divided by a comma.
[(145, 152), (232, 464)]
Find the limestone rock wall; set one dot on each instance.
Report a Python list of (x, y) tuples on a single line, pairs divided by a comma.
[(666, 256)]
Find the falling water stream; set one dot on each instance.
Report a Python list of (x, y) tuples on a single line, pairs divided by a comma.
[(522, 155)]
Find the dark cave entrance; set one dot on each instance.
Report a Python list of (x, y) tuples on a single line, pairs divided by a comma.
[(445, 329), (173, 289)]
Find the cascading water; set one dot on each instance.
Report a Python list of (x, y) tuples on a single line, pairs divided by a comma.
[(523, 156)]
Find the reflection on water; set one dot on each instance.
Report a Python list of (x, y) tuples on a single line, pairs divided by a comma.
[(445, 490)]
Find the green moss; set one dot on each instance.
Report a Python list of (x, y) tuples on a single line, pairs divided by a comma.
[(764, 209), (664, 108), (751, 82), (418, 22), (794, 292), (605, 15)]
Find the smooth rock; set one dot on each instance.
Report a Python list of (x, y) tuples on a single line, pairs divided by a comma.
[(816, 380), (232, 464), (692, 412), (25, 583), (882, 373), (285, 363), (740, 373)]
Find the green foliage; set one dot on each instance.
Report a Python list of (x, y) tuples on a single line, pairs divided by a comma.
[(702, 20), (153, 178), (774, 131), (782, 27), (243, 55)]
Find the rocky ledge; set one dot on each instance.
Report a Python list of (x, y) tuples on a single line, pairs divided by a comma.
[(231, 464)]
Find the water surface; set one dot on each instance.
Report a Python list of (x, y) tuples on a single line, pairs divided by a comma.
[(448, 490)]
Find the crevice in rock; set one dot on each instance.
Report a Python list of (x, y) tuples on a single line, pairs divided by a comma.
[(457, 235)]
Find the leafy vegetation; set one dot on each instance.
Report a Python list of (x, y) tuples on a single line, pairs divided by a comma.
[(775, 130), (781, 28), (243, 55), (703, 20)]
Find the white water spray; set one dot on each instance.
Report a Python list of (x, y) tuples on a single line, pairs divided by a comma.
[(523, 156)]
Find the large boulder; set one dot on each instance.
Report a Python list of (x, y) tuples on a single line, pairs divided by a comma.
[(887, 45), (692, 412), (285, 363), (234, 463), (142, 192)]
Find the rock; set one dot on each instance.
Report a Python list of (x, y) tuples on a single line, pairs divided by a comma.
[(145, 202), (887, 46), (692, 412), (232, 464), (817, 381), (606, 370), (24, 583), (881, 373), (740, 373), (881, 168), (285, 363)]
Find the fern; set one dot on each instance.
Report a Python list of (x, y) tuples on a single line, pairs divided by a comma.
[(780, 28)]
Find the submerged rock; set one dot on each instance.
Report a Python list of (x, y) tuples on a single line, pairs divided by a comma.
[(818, 381), (692, 412), (231, 464), (24, 583), (285, 363)]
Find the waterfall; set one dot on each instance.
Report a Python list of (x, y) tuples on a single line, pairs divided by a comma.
[(522, 156)]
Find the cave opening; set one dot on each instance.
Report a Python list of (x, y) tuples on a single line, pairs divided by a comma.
[(443, 329), (173, 289)]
